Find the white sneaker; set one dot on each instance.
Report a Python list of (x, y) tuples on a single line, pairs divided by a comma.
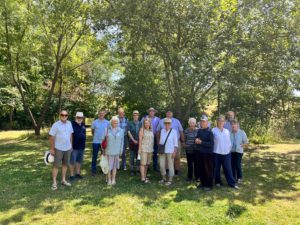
[(109, 183), (113, 182)]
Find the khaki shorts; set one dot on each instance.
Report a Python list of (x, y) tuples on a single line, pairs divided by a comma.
[(146, 158), (62, 157)]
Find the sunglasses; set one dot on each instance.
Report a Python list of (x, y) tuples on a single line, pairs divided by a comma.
[(64, 115), (167, 123)]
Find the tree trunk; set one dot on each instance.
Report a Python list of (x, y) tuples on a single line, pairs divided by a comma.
[(11, 114), (37, 130)]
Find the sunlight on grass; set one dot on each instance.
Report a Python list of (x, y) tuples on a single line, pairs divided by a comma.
[(269, 195)]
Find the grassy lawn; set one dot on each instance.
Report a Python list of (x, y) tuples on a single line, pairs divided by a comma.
[(270, 193)]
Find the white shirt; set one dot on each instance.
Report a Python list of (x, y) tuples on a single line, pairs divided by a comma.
[(222, 142), (62, 133), (172, 141)]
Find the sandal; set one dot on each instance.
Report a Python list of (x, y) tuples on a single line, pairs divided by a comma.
[(65, 183), (54, 187), (162, 181), (168, 183)]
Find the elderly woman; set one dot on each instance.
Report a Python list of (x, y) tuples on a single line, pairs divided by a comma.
[(168, 139), (115, 142), (189, 136), (146, 143)]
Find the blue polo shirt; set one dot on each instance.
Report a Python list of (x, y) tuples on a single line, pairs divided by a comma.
[(79, 136), (99, 127)]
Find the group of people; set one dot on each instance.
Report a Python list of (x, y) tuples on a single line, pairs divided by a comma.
[(151, 139)]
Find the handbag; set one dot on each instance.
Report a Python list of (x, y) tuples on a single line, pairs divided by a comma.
[(161, 148), (104, 164), (104, 142)]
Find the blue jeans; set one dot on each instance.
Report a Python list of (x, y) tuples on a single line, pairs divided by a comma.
[(96, 148), (236, 164), (155, 156), (124, 152), (225, 162)]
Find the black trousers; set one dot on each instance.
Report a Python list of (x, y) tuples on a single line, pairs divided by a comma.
[(205, 167), (236, 164), (192, 171)]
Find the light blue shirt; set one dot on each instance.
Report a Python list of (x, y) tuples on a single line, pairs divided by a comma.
[(237, 140), (115, 141), (222, 142), (99, 127), (176, 125), (62, 135)]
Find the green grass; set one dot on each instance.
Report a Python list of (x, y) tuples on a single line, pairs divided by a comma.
[(270, 193)]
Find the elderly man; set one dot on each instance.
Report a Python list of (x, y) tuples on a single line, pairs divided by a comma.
[(154, 123), (176, 125), (98, 129), (79, 139), (239, 140), (230, 116), (123, 124), (61, 147), (222, 149), (133, 133)]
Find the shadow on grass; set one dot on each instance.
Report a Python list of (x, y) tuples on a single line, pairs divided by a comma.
[(23, 174)]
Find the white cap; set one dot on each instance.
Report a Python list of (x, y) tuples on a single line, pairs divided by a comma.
[(79, 114)]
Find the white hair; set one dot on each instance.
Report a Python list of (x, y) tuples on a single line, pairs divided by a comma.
[(192, 120), (114, 118)]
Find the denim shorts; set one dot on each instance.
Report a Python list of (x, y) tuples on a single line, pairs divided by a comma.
[(76, 156)]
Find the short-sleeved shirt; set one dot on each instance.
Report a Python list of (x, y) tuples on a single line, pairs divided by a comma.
[(99, 127), (79, 136), (222, 142), (124, 125), (62, 135), (134, 128), (176, 125), (237, 140)]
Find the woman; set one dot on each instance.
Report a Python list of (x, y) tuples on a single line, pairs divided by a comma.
[(115, 142), (146, 142), (168, 138), (239, 140), (189, 136)]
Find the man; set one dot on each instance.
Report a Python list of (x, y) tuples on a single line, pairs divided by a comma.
[(230, 116), (176, 125), (61, 147), (98, 131), (222, 149), (239, 140), (79, 139), (204, 154), (154, 123), (124, 125), (133, 133)]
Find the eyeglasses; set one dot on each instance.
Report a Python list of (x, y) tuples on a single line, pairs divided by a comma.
[(79, 118), (167, 123), (64, 115)]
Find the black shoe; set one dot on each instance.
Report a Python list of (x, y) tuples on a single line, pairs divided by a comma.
[(176, 172), (72, 178), (78, 176), (93, 174), (200, 186), (198, 180), (206, 188), (189, 179), (131, 173)]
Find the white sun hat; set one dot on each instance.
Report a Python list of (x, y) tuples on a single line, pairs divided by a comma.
[(48, 158), (79, 114)]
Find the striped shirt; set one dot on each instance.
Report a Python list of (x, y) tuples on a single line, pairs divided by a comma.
[(189, 137)]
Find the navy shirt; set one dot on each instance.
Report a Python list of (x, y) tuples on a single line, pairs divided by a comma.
[(79, 136), (207, 138)]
